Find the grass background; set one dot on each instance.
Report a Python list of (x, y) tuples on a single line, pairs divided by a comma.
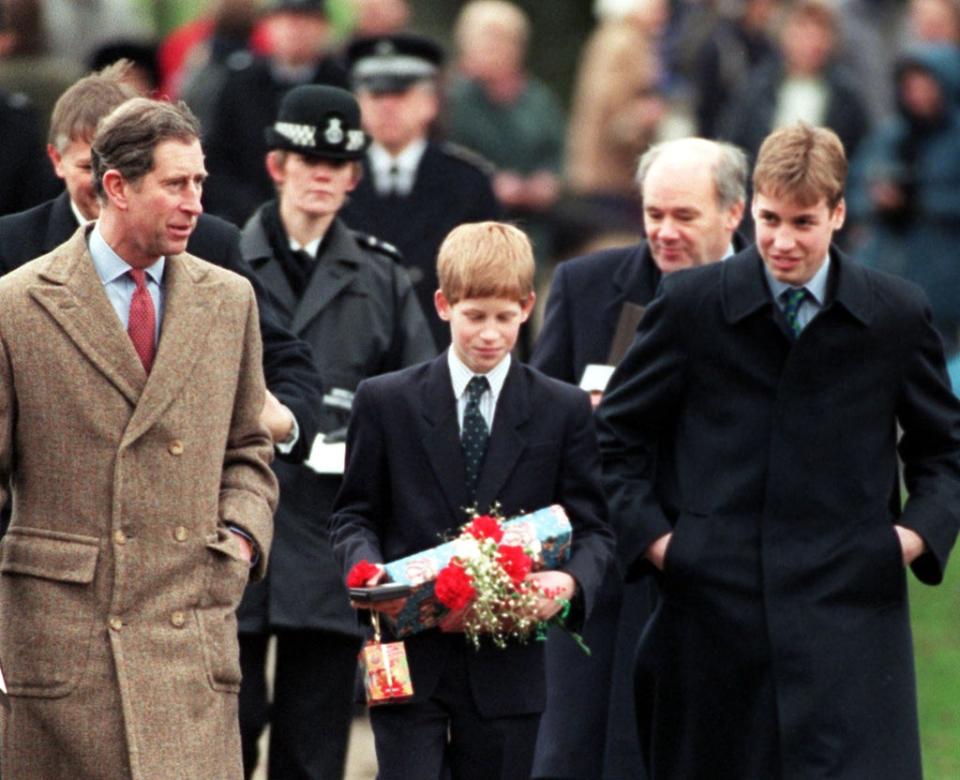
[(936, 634)]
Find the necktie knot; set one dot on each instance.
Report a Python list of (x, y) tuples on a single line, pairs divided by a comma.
[(139, 277), (476, 387), (793, 299)]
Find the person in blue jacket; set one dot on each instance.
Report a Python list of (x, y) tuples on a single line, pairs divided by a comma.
[(904, 191)]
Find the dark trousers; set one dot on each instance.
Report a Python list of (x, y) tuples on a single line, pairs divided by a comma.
[(311, 710), (445, 736)]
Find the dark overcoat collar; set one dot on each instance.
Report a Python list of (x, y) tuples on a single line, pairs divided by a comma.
[(336, 269), (745, 288), (441, 436)]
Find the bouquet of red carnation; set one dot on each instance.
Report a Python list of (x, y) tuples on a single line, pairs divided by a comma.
[(487, 580)]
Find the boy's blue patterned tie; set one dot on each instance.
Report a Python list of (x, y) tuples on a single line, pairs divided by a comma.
[(792, 300), (475, 434)]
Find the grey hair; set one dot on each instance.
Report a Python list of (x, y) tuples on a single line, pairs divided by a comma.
[(730, 171)]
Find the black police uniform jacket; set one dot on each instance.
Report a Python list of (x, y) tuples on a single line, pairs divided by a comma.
[(235, 144), (781, 646), (452, 186), (287, 362), (359, 314)]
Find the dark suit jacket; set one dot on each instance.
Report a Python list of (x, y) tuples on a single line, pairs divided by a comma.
[(783, 580), (452, 187), (586, 297), (583, 309), (404, 488), (287, 361)]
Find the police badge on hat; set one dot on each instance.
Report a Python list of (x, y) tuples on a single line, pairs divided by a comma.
[(319, 121)]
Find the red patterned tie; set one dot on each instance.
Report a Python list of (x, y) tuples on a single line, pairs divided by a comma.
[(143, 318)]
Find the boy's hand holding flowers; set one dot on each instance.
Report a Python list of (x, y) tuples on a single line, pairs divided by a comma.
[(490, 588), (555, 587), (365, 575)]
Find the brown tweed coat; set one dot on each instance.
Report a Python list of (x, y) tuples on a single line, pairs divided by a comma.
[(118, 578)]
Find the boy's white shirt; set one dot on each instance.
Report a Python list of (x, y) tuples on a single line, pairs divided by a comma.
[(460, 375)]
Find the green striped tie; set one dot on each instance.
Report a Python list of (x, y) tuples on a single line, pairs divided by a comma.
[(792, 300)]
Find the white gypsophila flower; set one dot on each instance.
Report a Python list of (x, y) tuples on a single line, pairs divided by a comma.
[(466, 548)]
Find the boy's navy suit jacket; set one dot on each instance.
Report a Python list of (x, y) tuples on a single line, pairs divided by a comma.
[(404, 491)]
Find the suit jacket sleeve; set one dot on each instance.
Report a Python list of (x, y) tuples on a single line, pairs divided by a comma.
[(248, 488), (364, 493), (929, 415), (553, 352), (581, 495), (639, 407)]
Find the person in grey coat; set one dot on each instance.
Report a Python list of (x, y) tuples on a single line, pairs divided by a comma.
[(348, 296)]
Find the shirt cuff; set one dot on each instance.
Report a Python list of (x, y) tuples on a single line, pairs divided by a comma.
[(286, 446), (236, 529)]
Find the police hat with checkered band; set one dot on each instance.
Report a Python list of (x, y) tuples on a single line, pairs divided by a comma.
[(319, 121), (392, 63)]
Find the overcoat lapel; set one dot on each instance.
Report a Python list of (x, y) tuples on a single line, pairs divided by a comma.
[(256, 250), (441, 435), (745, 292), (506, 443), (191, 305), (73, 296), (634, 281)]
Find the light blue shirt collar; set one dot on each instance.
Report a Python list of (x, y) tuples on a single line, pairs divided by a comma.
[(816, 287), (110, 266)]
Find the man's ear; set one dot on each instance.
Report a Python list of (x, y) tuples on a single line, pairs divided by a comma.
[(56, 159), (839, 214), (734, 216), (442, 306), (115, 188), (526, 307)]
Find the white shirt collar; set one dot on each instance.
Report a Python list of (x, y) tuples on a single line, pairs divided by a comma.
[(461, 375), (405, 164), (310, 247), (81, 220)]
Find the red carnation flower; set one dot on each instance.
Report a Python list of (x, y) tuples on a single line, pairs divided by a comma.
[(485, 527), (360, 573), (515, 562), (454, 588)]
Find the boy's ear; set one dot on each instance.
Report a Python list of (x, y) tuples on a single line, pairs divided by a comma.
[(442, 305), (526, 307)]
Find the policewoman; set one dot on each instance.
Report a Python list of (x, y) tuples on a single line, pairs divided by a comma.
[(348, 296)]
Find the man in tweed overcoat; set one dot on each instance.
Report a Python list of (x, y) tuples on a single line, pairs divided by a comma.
[(139, 476)]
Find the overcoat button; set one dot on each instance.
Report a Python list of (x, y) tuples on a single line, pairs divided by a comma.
[(116, 623), (178, 619), (175, 447), (180, 533), (119, 537)]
